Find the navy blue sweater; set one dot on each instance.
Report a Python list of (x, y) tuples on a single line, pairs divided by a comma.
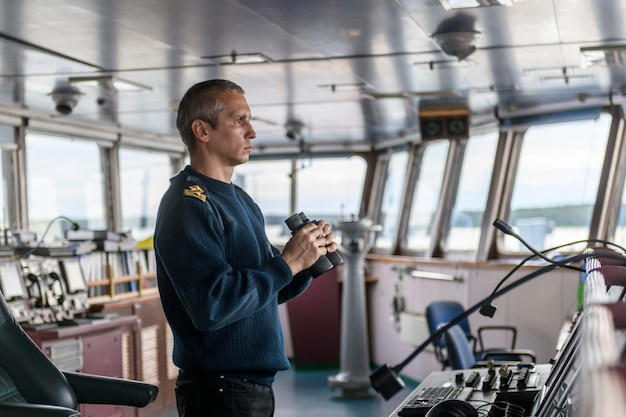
[(220, 280)]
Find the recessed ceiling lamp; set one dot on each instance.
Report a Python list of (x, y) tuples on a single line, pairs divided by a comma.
[(565, 78), (109, 83), (444, 64), (549, 71), (603, 56), (238, 59), (407, 94), (344, 86), (466, 4)]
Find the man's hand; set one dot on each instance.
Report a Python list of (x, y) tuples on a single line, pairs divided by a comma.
[(307, 245)]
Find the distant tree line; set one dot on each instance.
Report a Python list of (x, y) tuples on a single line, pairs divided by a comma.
[(560, 216)]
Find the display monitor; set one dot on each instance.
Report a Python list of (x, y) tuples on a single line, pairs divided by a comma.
[(73, 275), (12, 281)]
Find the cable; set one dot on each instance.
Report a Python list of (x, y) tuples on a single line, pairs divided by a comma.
[(29, 252), (489, 310), (494, 295), (606, 242), (386, 381), (501, 408), (508, 230)]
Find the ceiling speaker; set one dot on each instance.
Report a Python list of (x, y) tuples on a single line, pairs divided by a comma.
[(444, 122)]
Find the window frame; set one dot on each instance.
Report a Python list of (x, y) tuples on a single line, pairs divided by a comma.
[(505, 175)]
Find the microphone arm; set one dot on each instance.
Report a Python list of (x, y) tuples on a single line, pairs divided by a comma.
[(508, 230), (386, 380), (488, 310), (75, 226)]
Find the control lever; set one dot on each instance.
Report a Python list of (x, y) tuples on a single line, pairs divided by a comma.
[(506, 375), (522, 380)]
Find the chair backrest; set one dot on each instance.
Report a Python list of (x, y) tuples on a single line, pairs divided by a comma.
[(439, 313), (27, 369), (460, 353)]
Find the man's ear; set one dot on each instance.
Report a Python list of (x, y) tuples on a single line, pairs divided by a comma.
[(200, 130)]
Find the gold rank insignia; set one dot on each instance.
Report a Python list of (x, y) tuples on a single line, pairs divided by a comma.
[(195, 191)]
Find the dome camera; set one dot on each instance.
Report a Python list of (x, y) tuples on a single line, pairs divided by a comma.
[(65, 97)]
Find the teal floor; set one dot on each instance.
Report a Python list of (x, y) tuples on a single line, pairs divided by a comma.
[(305, 393)]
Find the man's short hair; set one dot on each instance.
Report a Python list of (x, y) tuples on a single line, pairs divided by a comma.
[(202, 102)]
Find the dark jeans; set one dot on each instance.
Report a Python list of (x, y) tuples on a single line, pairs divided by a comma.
[(223, 396)]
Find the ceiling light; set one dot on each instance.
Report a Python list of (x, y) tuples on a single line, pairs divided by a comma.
[(344, 86), (496, 88), (566, 78), (406, 94), (444, 64), (465, 4), (109, 83), (603, 56), (239, 59), (548, 71)]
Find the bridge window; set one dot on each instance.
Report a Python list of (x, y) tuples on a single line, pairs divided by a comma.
[(330, 188), (471, 197), (7, 146), (619, 235), (64, 178), (268, 184), (620, 230), (324, 188), (393, 187), (426, 195), (144, 177), (556, 182)]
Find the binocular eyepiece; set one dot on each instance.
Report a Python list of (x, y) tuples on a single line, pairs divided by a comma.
[(326, 262)]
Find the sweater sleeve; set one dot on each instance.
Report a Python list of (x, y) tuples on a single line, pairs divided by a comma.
[(192, 246), (299, 284)]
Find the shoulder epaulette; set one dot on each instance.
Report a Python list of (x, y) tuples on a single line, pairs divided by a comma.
[(196, 191)]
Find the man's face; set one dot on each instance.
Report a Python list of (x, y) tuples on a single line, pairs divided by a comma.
[(231, 137)]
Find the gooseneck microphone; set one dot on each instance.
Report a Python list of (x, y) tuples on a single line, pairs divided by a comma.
[(75, 226), (508, 230), (489, 310), (386, 379)]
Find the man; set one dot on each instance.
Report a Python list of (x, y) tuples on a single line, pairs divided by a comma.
[(219, 278)]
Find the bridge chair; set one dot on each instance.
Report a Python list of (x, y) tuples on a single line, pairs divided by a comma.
[(462, 356), (32, 386), (440, 313)]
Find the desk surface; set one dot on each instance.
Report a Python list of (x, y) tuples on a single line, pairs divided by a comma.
[(94, 325), (486, 391)]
